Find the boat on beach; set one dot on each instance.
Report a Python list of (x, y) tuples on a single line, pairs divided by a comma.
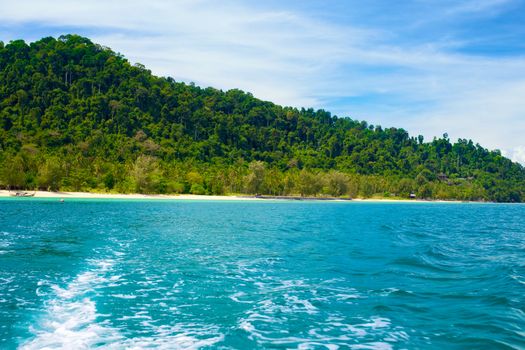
[(22, 194)]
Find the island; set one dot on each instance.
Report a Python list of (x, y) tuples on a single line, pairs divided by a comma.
[(76, 116)]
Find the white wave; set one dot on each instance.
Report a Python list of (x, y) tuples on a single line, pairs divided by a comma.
[(298, 304), (247, 326), (335, 332), (124, 296), (377, 322), (372, 346), (179, 341), (235, 297), (314, 345), (344, 297), (4, 244), (70, 318), (72, 327), (518, 279), (71, 321)]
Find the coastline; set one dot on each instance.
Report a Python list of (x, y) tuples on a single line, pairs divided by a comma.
[(136, 196), (93, 195)]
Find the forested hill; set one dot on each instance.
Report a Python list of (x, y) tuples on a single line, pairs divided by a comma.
[(76, 116)]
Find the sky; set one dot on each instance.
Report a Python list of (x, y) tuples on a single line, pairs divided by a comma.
[(430, 67)]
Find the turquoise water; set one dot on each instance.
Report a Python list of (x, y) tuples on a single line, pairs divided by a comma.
[(183, 275)]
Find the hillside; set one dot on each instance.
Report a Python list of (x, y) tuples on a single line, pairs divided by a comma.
[(76, 116)]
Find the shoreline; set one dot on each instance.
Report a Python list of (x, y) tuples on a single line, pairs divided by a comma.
[(93, 195), (136, 196)]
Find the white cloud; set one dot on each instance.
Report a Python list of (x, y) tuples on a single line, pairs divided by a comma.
[(492, 114), (518, 154), (295, 59)]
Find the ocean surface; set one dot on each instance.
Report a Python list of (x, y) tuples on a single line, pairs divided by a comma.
[(108, 274)]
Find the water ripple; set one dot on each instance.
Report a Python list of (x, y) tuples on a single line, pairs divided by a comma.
[(187, 275)]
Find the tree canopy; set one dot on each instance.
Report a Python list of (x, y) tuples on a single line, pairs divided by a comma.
[(76, 115)]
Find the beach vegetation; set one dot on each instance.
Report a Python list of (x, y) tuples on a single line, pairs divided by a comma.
[(75, 115)]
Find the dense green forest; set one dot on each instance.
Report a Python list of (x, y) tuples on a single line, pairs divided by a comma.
[(74, 115)]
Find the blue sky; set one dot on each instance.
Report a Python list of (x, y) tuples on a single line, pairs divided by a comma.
[(428, 66)]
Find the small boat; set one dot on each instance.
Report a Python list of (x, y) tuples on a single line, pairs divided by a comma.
[(22, 194)]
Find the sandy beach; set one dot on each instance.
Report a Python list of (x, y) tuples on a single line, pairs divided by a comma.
[(91, 195), (65, 195)]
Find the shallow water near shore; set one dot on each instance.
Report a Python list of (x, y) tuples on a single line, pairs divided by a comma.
[(114, 274)]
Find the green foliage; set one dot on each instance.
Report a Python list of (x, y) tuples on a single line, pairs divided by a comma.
[(75, 115), (13, 173), (197, 189), (50, 174), (405, 187), (425, 191), (175, 187), (337, 183), (309, 184), (146, 174), (194, 178), (255, 178), (367, 189)]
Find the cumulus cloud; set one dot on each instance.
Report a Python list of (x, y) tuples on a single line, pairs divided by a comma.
[(518, 154), (296, 58)]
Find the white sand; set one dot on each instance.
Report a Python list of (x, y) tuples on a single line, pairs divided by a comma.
[(65, 195)]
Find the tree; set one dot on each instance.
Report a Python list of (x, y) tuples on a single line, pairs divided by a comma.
[(425, 191), (337, 183), (50, 174), (366, 188), (424, 176), (290, 182), (193, 177), (146, 174), (12, 174), (255, 178), (405, 187), (197, 189), (309, 184)]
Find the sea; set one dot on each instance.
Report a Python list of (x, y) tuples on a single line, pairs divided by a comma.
[(168, 274)]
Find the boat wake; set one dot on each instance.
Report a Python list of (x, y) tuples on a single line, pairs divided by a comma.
[(71, 319)]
